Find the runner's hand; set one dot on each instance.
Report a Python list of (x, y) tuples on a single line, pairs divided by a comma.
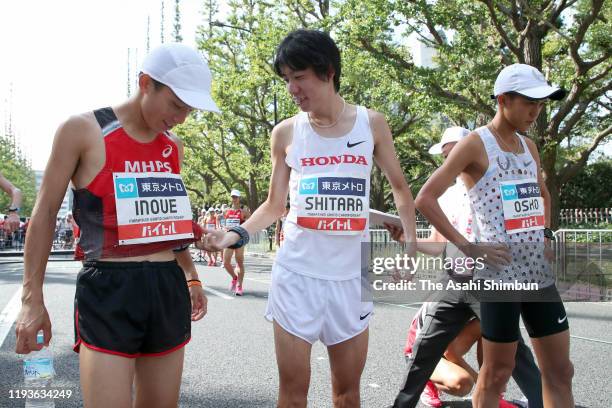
[(199, 303), (396, 232), (496, 255), (32, 319), (216, 240), (11, 224)]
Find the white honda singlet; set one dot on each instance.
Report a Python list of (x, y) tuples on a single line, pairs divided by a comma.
[(329, 192), (508, 208)]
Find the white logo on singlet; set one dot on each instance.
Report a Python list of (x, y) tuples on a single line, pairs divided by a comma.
[(167, 152), (147, 166)]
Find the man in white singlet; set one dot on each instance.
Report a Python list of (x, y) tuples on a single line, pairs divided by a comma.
[(511, 207), (322, 158)]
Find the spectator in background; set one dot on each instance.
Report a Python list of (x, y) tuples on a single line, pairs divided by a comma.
[(11, 222)]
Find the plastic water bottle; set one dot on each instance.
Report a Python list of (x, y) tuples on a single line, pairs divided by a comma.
[(38, 374)]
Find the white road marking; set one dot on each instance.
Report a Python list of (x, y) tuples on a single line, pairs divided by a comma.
[(217, 293), (593, 340), (267, 282), (404, 306), (9, 314)]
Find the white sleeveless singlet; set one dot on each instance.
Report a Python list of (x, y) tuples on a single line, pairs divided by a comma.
[(508, 207), (329, 191)]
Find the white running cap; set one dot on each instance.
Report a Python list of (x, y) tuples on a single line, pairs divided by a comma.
[(452, 134), (235, 193), (527, 81), (184, 70)]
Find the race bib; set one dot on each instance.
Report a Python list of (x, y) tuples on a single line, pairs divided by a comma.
[(232, 222), (151, 207), (523, 205), (333, 205)]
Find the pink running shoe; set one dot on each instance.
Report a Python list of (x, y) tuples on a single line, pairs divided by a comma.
[(233, 285), (238, 290), (431, 396)]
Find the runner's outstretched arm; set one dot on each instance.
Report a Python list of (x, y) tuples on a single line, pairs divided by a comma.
[(274, 206)]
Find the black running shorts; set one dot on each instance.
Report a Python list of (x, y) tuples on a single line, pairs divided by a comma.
[(500, 320), (132, 309)]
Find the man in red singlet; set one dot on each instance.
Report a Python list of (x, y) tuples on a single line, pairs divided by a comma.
[(138, 290), (234, 216)]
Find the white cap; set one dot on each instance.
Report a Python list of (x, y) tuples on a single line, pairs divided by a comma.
[(235, 193), (182, 69), (527, 81), (452, 134), (211, 209)]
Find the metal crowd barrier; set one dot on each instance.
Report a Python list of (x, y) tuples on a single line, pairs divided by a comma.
[(583, 263)]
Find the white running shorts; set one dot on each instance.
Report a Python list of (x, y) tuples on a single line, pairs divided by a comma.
[(317, 309)]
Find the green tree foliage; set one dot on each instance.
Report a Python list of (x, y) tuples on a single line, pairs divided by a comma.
[(15, 167), (590, 188), (231, 150)]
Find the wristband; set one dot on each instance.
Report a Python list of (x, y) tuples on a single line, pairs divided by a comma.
[(243, 234), (194, 282)]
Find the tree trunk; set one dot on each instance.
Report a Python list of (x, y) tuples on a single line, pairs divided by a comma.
[(377, 190), (555, 201), (546, 146)]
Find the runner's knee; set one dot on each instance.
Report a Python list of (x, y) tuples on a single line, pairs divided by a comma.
[(560, 375), (497, 373), (459, 385)]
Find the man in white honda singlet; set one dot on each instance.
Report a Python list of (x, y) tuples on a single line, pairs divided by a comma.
[(511, 207), (322, 158)]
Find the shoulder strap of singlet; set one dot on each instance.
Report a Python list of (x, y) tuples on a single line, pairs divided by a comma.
[(524, 143), (488, 140), (362, 114), (106, 119)]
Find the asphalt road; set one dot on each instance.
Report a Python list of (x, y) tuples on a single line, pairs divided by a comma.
[(230, 361)]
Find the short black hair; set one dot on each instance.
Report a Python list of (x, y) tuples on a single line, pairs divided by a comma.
[(156, 84), (302, 49)]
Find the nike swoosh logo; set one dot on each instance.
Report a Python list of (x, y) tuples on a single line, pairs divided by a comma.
[(527, 163), (562, 320), (363, 317), (349, 144)]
